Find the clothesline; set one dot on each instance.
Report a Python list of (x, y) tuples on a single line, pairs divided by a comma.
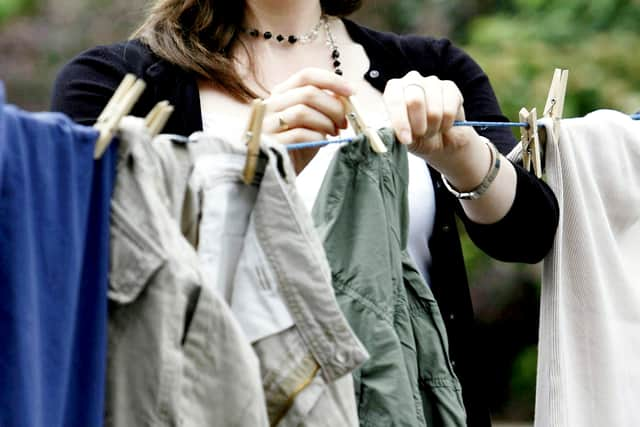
[(313, 144)]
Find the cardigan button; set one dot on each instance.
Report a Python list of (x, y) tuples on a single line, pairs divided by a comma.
[(374, 74), (445, 228), (154, 70)]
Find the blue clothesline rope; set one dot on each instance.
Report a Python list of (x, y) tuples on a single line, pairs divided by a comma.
[(314, 144)]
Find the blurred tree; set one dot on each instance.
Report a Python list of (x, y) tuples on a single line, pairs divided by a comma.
[(522, 388), (11, 8), (520, 45), (37, 40)]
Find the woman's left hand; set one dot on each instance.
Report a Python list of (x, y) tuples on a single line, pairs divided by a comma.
[(422, 111)]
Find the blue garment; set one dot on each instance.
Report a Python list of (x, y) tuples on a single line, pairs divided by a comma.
[(54, 247)]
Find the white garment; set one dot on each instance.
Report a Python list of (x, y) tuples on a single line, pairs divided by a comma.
[(231, 254), (589, 348), (422, 202)]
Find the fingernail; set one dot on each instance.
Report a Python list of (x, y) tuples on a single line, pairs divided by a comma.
[(405, 137)]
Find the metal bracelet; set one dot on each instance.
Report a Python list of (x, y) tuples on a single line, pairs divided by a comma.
[(486, 182)]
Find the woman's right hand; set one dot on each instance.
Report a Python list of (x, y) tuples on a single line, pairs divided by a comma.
[(306, 107)]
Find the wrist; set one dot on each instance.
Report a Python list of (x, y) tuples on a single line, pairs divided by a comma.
[(476, 190), (466, 166)]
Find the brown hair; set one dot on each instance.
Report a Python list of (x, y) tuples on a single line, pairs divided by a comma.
[(197, 35)]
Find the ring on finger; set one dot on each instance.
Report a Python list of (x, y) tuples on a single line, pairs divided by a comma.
[(424, 92), (282, 124)]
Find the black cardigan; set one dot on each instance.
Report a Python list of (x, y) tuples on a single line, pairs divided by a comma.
[(84, 86)]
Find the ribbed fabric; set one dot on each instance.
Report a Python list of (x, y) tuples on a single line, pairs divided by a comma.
[(589, 349)]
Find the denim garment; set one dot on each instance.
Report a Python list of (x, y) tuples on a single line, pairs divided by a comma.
[(362, 216), (54, 246), (263, 254), (176, 354)]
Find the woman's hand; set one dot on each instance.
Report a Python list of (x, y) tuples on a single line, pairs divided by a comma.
[(422, 111), (306, 107)]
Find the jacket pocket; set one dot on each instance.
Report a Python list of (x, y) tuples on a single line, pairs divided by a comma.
[(134, 258)]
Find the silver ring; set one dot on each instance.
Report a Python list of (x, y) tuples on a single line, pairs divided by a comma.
[(424, 92)]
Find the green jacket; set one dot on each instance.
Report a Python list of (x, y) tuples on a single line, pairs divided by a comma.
[(362, 215)]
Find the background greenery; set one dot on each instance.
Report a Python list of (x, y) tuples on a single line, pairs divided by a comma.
[(517, 42)]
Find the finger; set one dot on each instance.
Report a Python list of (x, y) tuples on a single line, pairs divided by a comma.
[(451, 104), (430, 144), (299, 116), (415, 99), (313, 97), (433, 87), (296, 135), (393, 97), (317, 77), (413, 77)]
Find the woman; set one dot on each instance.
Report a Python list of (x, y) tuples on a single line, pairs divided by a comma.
[(210, 58)]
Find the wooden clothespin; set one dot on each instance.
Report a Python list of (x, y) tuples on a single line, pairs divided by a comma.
[(154, 113), (252, 139), (120, 104), (554, 106), (126, 84), (359, 126), (158, 117), (531, 149)]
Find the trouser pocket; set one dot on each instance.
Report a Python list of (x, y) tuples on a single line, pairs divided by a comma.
[(288, 369)]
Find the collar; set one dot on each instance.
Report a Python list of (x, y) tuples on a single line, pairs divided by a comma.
[(387, 60)]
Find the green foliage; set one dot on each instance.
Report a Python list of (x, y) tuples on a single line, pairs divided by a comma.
[(476, 262), (523, 379), (401, 15), (11, 8), (594, 40)]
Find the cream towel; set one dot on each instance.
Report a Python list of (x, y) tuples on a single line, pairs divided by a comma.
[(589, 348)]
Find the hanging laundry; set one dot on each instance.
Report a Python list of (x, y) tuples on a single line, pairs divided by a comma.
[(362, 215), (176, 355), (589, 347), (261, 252), (54, 243)]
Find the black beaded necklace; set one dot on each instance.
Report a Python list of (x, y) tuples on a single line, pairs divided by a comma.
[(304, 39)]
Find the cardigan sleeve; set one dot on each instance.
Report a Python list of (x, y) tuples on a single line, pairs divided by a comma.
[(83, 86), (535, 208)]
